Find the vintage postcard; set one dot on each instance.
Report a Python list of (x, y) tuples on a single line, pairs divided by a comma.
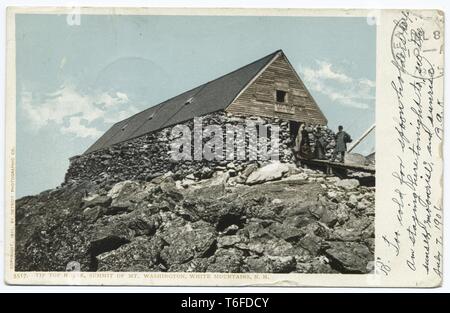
[(224, 147)]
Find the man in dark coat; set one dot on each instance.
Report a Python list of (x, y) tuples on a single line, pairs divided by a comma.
[(341, 138), (319, 149), (305, 136)]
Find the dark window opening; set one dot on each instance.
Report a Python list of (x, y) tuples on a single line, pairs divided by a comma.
[(281, 96)]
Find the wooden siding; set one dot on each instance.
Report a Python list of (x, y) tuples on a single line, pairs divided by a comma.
[(259, 98)]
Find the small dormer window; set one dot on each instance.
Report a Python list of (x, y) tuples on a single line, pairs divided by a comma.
[(281, 96)]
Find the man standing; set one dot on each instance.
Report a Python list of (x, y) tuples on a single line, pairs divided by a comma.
[(319, 149), (342, 138), (305, 145)]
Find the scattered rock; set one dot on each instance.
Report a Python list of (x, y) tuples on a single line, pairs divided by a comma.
[(187, 182), (348, 184), (93, 213), (315, 265), (257, 264), (159, 179), (285, 231), (231, 217), (281, 264), (226, 261), (297, 177), (228, 241), (196, 265), (277, 201), (311, 242), (249, 170), (231, 230), (125, 194), (102, 201)]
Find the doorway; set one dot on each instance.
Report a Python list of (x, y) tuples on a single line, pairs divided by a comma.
[(294, 133)]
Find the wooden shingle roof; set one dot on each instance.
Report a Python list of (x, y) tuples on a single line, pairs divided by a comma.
[(210, 97)]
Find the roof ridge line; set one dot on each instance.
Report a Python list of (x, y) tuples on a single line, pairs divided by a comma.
[(250, 71), (273, 53), (201, 87), (198, 86), (255, 77)]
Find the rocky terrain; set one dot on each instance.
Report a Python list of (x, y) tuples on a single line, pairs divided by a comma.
[(272, 217)]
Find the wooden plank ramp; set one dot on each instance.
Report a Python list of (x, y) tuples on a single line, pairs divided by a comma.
[(331, 166)]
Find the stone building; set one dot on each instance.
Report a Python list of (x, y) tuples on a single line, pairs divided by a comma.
[(268, 90)]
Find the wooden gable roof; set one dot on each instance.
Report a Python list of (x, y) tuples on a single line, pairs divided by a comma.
[(213, 96)]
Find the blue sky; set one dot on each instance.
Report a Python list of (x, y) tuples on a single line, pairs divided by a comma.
[(75, 81)]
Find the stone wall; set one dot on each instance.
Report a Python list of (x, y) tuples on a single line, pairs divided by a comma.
[(148, 156)]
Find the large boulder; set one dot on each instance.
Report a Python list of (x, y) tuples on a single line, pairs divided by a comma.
[(93, 213), (229, 241), (277, 247), (204, 204), (311, 242), (285, 231), (256, 264), (281, 264), (111, 232), (249, 170), (348, 184), (96, 200), (226, 261), (349, 257), (127, 193), (110, 237), (142, 254), (318, 264), (272, 171), (188, 241), (271, 264), (355, 228)]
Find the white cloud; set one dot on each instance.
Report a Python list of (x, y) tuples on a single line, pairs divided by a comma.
[(325, 72), (122, 96), (77, 114), (76, 128), (107, 101), (369, 83), (339, 86)]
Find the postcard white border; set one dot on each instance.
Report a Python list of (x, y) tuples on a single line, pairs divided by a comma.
[(171, 279)]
